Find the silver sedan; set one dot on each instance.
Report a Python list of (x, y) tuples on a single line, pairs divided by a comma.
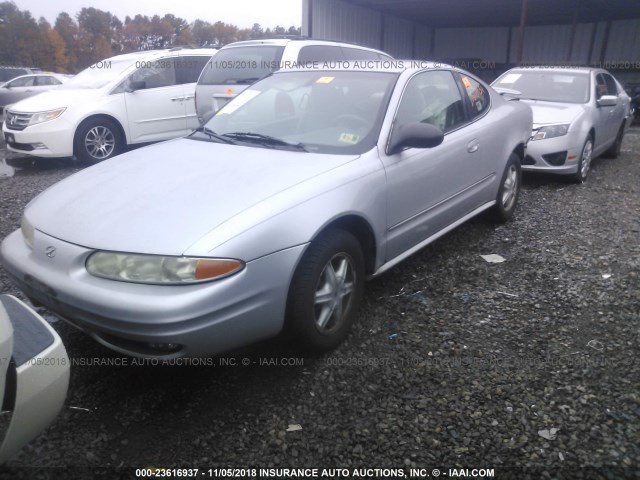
[(273, 214), (578, 114)]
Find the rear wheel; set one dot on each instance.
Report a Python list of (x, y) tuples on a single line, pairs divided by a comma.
[(97, 140), (585, 161), (509, 191), (326, 291)]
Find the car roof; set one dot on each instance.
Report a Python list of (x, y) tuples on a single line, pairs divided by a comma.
[(548, 69), (391, 65), (151, 54), (281, 42)]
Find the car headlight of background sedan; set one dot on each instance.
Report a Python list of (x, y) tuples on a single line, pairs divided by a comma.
[(551, 131), (158, 269), (40, 117)]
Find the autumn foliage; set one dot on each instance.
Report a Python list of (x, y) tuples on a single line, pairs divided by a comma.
[(73, 44)]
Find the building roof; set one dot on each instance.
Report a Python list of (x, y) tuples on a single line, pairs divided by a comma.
[(485, 13)]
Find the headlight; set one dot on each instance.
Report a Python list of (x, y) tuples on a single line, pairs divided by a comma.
[(40, 117), (551, 131), (27, 231), (160, 270)]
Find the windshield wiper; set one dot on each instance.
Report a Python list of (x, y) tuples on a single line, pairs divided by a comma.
[(265, 140), (214, 135)]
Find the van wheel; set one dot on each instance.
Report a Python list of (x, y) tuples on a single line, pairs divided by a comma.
[(326, 291), (509, 190), (97, 140)]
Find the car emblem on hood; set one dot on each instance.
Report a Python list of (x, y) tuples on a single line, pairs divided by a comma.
[(12, 120), (50, 252)]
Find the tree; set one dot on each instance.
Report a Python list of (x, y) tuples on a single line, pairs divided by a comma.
[(67, 29)]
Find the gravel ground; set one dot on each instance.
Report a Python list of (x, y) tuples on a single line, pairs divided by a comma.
[(454, 362)]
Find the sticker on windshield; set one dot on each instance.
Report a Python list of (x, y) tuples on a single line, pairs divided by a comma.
[(238, 101), (466, 82), (325, 79), (511, 78), (350, 138)]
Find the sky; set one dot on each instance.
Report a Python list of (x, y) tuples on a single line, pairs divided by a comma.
[(243, 13)]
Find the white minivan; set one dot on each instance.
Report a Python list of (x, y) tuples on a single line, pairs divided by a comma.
[(124, 100)]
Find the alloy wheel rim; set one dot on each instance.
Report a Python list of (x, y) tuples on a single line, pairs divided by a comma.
[(100, 142), (510, 188), (586, 159), (334, 292)]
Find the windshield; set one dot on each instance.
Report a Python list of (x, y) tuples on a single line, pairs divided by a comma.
[(547, 86), (99, 74), (241, 65), (324, 112)]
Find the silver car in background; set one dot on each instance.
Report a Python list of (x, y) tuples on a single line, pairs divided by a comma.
[(274, 213), (34, 375), (29, 85), (578, 114)]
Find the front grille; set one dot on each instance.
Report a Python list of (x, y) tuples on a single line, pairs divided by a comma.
[(556, 159), (17, 121), (26, 147)]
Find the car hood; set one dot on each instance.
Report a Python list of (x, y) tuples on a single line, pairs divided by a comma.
[(163, 198), (56, 98), (545, 113)]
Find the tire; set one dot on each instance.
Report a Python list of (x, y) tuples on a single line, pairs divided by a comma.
[(509, 190), (616, 148), (97, 140), (585, 161), (326, 291)]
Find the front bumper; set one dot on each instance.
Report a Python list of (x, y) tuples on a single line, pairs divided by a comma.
[(55, 135), (203, 319), (571, 143)]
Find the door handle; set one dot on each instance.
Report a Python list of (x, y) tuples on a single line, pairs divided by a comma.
[(177, 99), (473, 145), (188, 97)]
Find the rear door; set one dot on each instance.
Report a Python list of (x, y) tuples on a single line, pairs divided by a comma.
[(156, 109), (188, 69)]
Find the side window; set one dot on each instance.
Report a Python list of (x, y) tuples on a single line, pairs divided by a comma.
[(432, 97), (22, 82), (155, 73), (612, 88), (44, 80), (477, 94), (320, 53), (188, 68), (601, 86)]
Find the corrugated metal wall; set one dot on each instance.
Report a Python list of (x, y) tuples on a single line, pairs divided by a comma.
[(546, 44), (486, 43)]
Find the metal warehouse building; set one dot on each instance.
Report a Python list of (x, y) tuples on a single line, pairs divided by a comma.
[(492, 35)]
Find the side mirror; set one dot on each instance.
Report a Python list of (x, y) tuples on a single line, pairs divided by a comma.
[(607, 101), (137, 85), (415, 135)]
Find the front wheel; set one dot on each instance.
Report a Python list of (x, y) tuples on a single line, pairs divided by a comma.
[(509, 190), (326, 291), (585, 161), (97, 140)]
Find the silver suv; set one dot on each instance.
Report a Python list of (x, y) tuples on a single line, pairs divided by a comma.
[(237, 65)]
